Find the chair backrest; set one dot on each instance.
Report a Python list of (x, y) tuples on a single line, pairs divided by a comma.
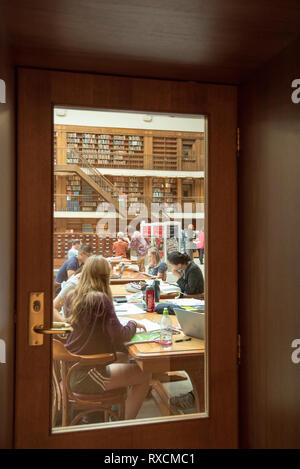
[(61, 353), (64, 363)]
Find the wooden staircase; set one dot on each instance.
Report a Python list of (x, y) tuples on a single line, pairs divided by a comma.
[(92, 176), (98, 182)]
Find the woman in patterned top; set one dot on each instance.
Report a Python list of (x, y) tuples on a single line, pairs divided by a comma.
[(140, 246), (96, 330)]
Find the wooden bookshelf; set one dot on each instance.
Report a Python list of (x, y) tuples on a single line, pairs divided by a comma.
[(132, 187), (164, 190), (73, 191), (165, 154), (108, 147), (109, 150), (120, 148), (89, 199)]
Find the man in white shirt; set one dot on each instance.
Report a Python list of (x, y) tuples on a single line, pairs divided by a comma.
[(58, 302)]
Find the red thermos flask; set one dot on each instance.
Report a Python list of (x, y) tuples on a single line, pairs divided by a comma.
[(150, 299)]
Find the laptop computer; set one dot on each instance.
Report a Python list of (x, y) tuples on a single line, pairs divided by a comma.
[(192, 323)]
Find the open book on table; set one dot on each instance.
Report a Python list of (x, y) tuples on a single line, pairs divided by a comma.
[(152, 331), (142, 337), (152, 328), (152, 334)]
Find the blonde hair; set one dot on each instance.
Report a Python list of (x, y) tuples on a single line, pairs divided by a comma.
[(94, 281), (156, 254)]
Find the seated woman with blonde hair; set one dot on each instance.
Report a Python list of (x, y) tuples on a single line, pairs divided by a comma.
[(156, 266), (97, 329)]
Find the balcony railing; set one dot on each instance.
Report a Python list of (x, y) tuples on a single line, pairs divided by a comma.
[(130, 205)]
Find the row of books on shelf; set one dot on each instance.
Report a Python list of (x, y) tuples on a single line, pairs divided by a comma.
[(103, 145), (106, 159), (89, 136), (78, 207), (130, 179), (157, 195), (130, 187), (159, 180), (73, 206), (73, 187), (93, 153), (91, 146), (73, 140), (89, 203)]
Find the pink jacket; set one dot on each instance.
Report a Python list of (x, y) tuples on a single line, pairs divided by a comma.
[(200, 241)]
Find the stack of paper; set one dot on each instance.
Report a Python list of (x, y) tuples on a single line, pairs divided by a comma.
[(149, 325), (124, 309), (191, 304), (169, 288), (187, 302)]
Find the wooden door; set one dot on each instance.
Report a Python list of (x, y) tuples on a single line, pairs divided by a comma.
[(38, 92)]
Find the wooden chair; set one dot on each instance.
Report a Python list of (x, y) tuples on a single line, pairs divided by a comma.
[(56, 396), (64, 363), (141, 263)]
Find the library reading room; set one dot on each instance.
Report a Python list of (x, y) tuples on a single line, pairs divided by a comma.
[(128, 267)]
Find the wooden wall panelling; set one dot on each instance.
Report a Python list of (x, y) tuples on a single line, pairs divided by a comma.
[(199, 188), (148, 159), (269, 262), (190, 46), (60, 225), (179, 154), (148, 193), (201, 152), (179, 190), (61, 191), (61, 143)]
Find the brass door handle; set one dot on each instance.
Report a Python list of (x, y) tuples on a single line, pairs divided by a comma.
[(58, 328), (36, 328)]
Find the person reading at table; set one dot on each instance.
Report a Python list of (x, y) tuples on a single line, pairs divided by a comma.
[(70, 266), (156, 266), (97, 329), (59, 300), (190, 277)]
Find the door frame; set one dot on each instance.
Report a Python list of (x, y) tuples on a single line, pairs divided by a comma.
[(38, 92)]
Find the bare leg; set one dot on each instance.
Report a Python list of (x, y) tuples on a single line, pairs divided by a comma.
[(122, 375), (122, 357)]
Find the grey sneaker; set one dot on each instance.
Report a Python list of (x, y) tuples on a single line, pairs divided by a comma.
[(183, 401)]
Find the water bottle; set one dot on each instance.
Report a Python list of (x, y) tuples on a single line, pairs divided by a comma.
[(166, 330)]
